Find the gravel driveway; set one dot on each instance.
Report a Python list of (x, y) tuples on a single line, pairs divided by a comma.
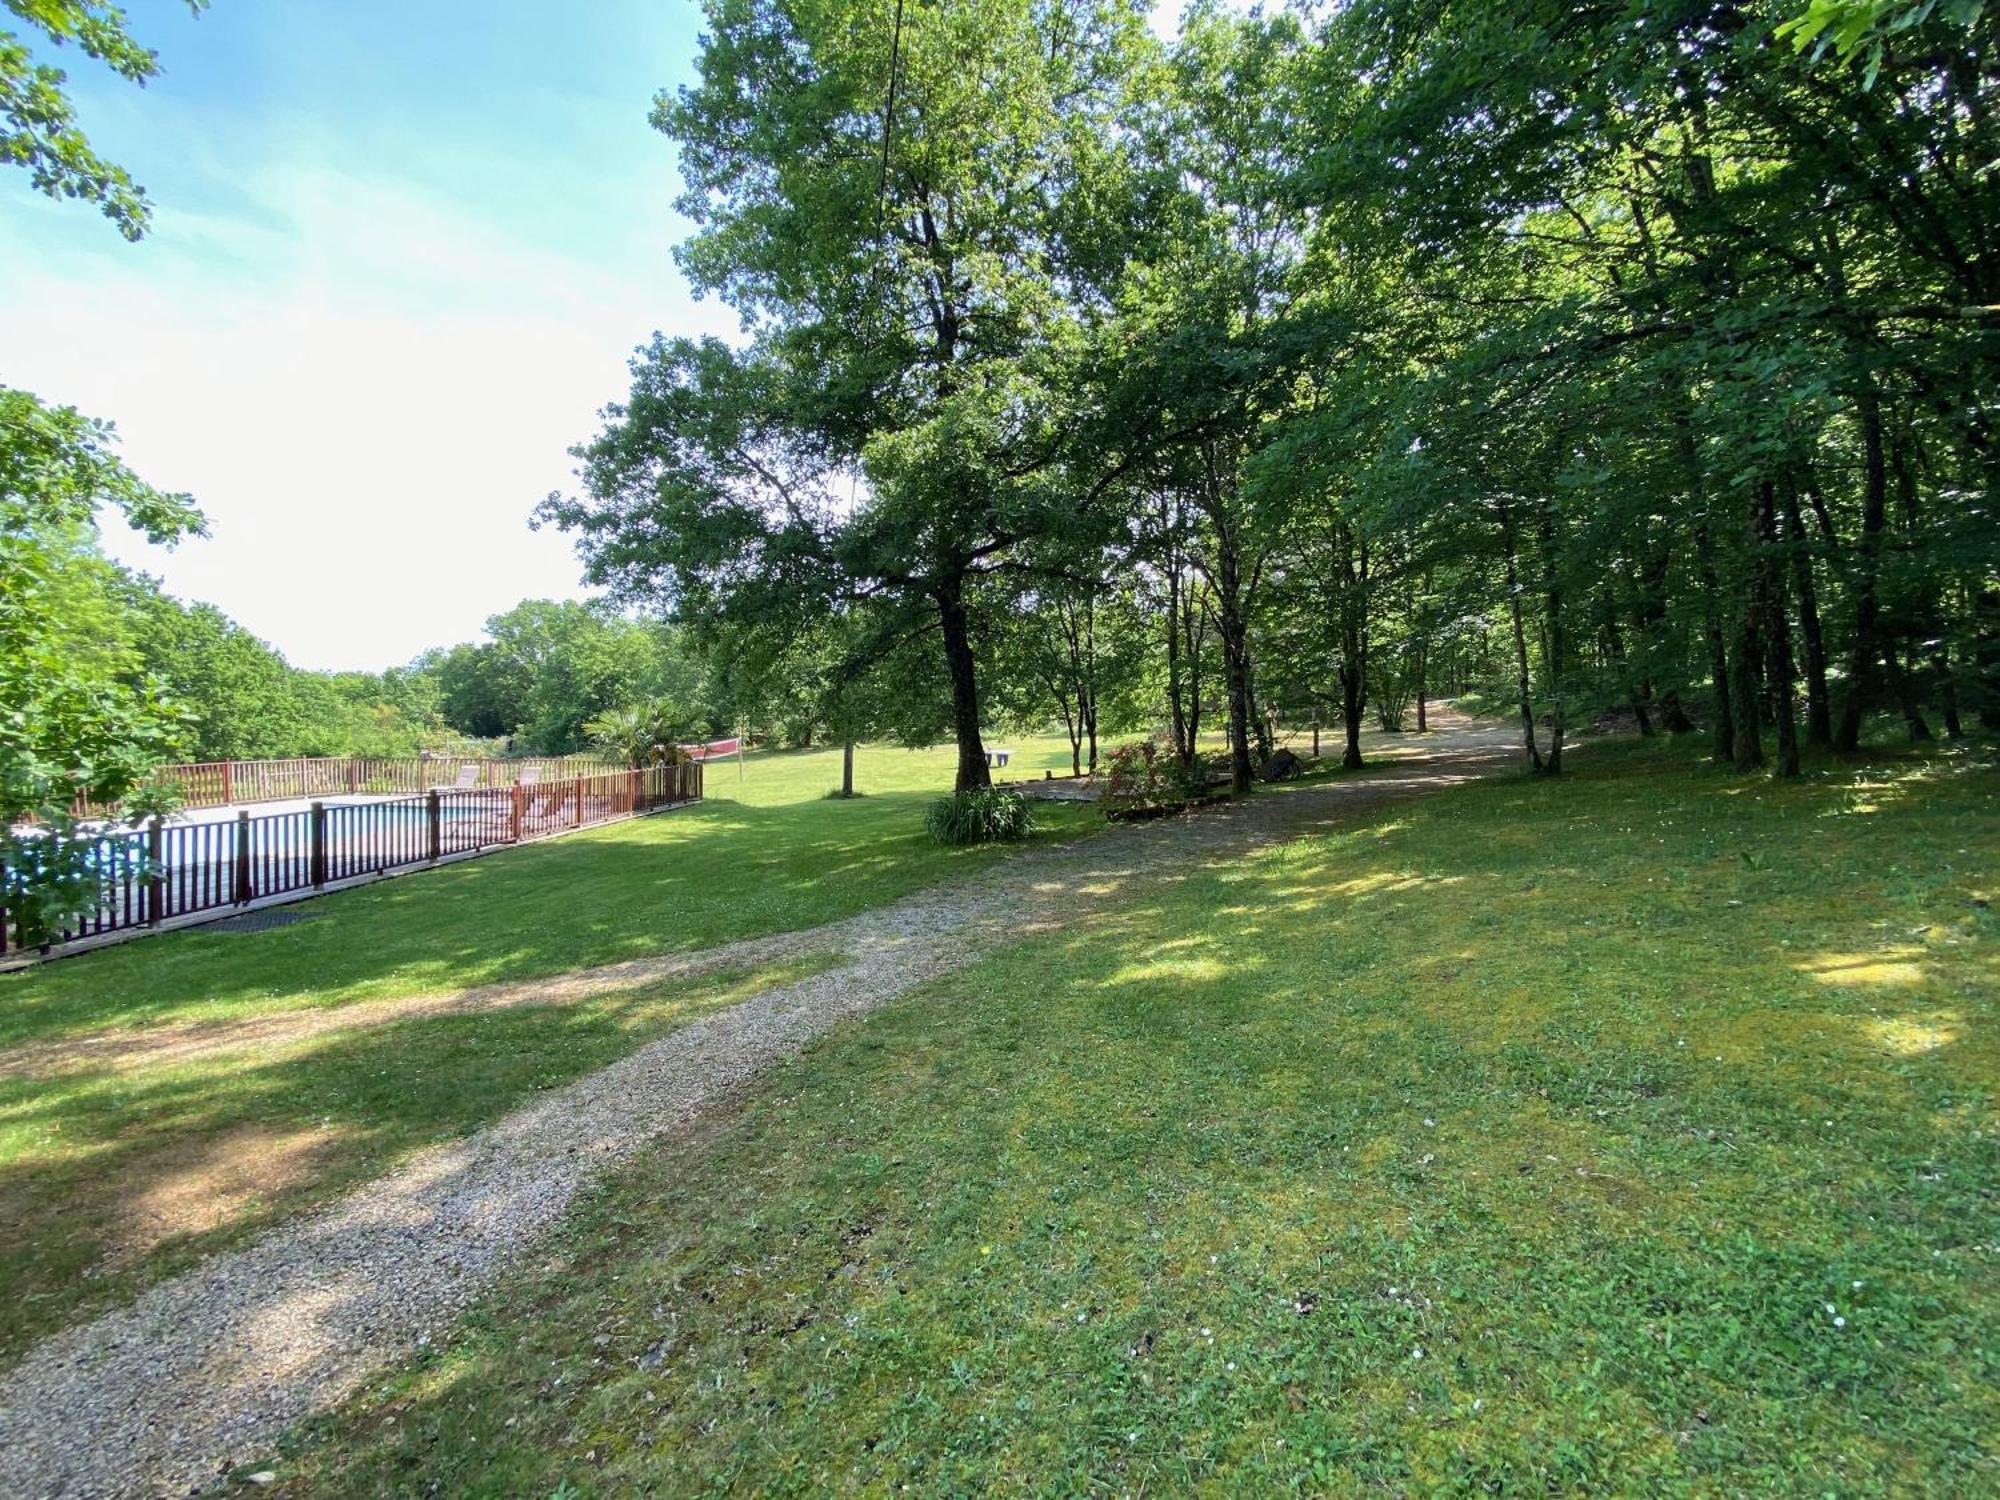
[(204, 1371)]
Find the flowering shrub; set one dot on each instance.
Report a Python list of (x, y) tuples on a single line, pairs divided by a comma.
[(1145, 776)]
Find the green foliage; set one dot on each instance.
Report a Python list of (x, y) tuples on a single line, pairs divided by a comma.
[(75, 722), (38, 128), (547, 669), (984, 815), (1145, 776), (917, 302), (642, 734), (1850, 28)]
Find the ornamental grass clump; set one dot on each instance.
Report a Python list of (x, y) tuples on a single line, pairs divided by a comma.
[(985, 815)]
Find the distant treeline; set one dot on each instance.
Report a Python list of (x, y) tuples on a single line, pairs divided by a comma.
[(543, 672)]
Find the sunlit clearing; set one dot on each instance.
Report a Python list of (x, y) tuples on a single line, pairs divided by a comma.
[(1890, 966), (1910, 1036)]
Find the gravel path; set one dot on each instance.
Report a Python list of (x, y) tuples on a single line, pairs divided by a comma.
[(205, 1370)]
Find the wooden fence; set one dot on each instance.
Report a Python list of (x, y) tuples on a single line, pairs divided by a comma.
[(226, 783), (161, 871)]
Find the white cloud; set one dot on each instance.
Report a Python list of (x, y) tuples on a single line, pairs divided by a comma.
[(365, 385)]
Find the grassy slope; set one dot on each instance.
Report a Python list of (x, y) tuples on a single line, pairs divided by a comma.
[(763, 854), (1633, 1132), (110, 1179)]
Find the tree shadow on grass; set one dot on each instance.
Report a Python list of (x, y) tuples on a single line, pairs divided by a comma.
[(115, 1179)]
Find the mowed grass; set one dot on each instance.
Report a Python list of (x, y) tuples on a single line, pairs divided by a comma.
[(764, 853), (1629, 1133), (111, 1179), (117, 1173)]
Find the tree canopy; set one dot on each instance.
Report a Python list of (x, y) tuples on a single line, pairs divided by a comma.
[(1617, 358)]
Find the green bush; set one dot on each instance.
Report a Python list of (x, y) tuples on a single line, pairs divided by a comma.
[(984, 816), (1145, 776)]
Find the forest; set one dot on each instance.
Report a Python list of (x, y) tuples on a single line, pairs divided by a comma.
[(1608, 357)]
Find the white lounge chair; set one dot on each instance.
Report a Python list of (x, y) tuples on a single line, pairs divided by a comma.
[(465, 781)]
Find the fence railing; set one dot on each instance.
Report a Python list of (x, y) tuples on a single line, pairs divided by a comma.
[(149, 875), (224, 783)]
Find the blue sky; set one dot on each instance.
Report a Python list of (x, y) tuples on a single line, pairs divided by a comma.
[(401, 252)]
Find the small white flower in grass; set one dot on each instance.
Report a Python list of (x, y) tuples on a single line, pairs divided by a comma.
[(1230, 1366), (1429, 1121), (1418, 1352), (1206, 1334), (1857, 1286), (1840, 1322)]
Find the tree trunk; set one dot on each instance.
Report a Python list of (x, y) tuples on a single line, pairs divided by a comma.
[(1176, 714), (1747, 659), (1353, 705), (1777, 633), (1353, 642), (1819, 712), (1906, 695), (1614, 645), (1746, 738), (1520, 641), (1718, 655), (847, 768), (1260, 723), (1423, 613), (1235, 661), (1236, 665), (972, 769), (1868, 557), (1954, 728), (1558, 637)]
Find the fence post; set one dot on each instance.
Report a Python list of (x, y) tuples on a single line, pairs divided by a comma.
[(243, 887), (635, 789), (228, 782), (156, 889), (434, 820), (353, 775), (578, 793), (316, 860), (518, 799)]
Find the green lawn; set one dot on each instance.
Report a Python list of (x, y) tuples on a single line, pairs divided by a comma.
[(111, 1177), (765, 853), (1630, 1133)]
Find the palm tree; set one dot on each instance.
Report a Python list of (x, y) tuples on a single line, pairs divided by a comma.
[(641, 734)]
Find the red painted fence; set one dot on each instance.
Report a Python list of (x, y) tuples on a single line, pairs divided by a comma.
[(225, 783), (152, 874), (713, 750)]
